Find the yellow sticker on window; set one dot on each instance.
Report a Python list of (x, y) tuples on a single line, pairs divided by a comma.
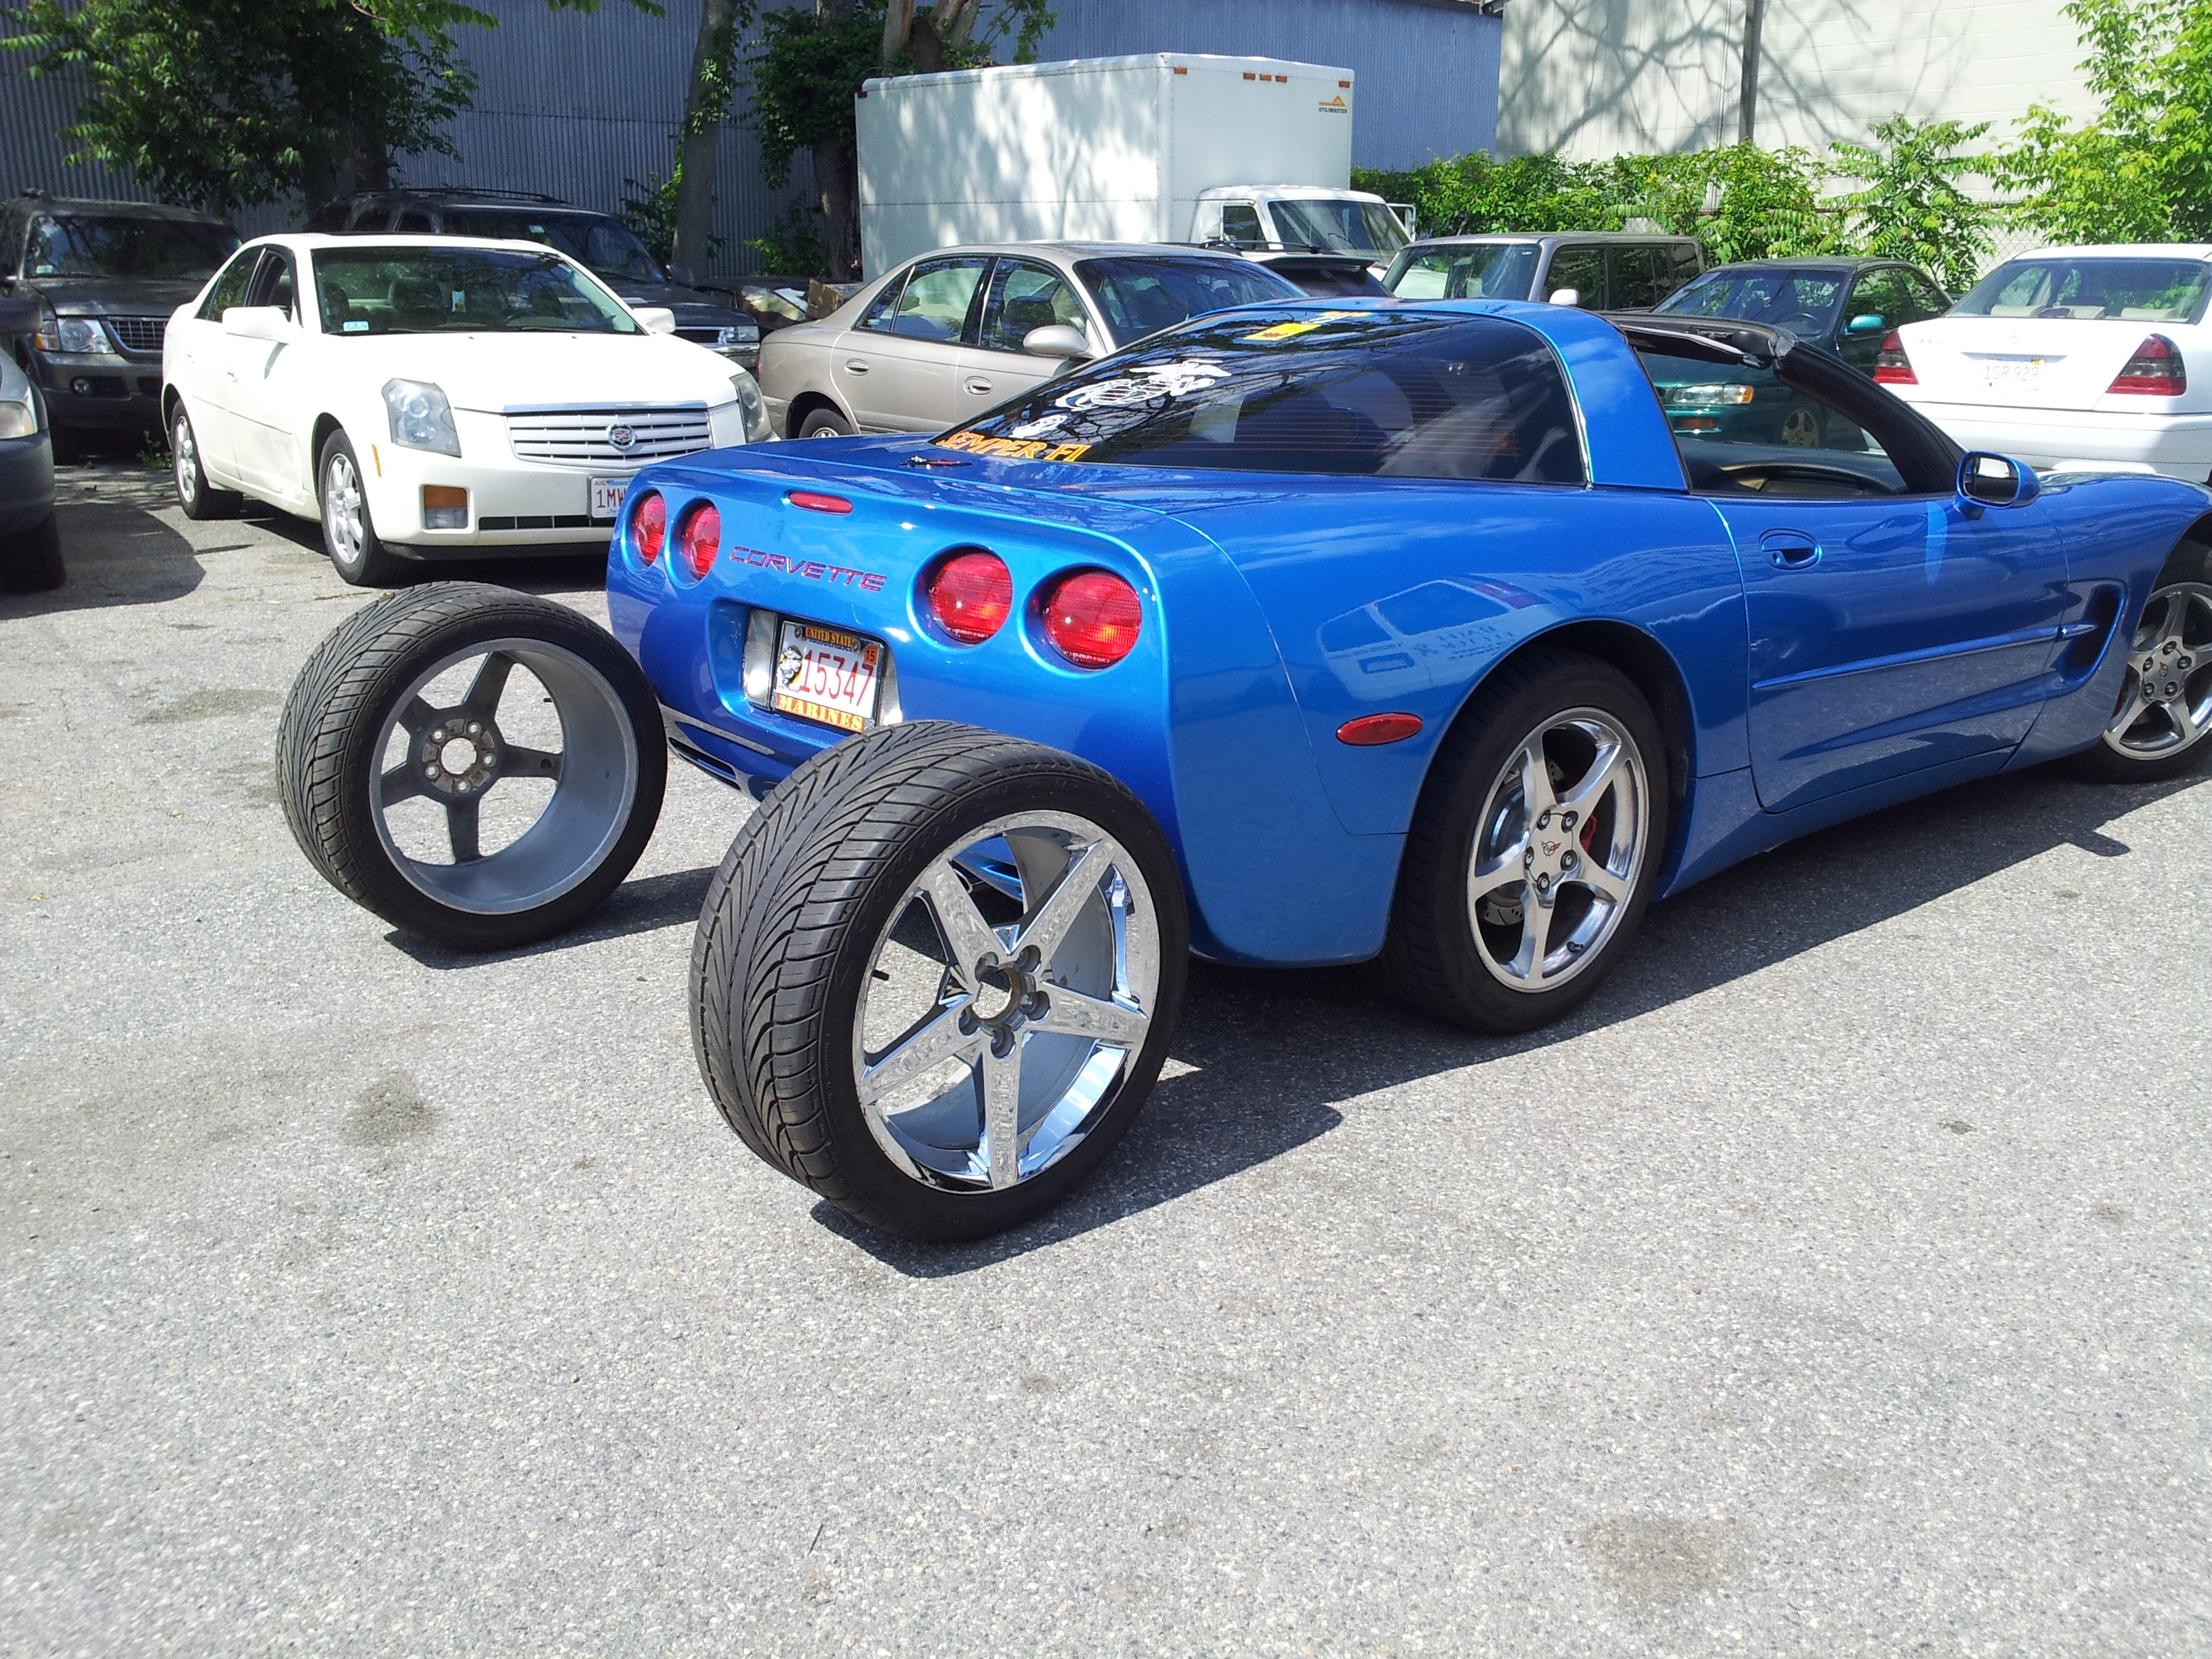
[(1011, 449), (1292, 330)]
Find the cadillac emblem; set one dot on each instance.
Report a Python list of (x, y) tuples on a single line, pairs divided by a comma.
[(621, 436)]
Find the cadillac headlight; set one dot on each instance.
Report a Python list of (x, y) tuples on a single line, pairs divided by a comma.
[(1708, 396), (753, 405), (18, 418), (421, 416), (70, 334)]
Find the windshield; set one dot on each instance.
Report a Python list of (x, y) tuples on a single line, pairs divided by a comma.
[(605, 245), (467, 291), (1383, 392), (1802, 301), (126, 246), (1485, 271), (1338, 224), (2135, 290), (1140, 297)]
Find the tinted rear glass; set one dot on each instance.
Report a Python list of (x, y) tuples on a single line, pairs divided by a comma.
[(606, 245), (1140, 296), (1382, 393), (2145, 290)]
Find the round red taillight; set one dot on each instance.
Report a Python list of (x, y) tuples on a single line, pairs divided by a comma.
[(649, 525), (970, 596), (1092, 618), (701, 538)]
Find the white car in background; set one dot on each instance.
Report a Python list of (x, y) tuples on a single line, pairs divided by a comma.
[(430, 396), (2075, 359)]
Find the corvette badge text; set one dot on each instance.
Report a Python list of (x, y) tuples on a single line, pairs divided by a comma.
[(812, 570)]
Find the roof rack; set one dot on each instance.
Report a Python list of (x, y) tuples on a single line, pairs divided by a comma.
[(538, 197)]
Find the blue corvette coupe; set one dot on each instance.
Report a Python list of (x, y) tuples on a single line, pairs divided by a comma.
[(1307, 634)]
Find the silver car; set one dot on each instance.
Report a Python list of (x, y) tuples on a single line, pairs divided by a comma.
[(949, 335)]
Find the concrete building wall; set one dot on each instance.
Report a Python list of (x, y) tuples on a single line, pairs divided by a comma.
[(1594, 78)]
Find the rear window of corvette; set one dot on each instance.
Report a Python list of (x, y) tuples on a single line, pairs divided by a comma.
[(1368, 393)]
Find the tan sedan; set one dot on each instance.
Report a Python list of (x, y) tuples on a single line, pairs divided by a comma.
[(946, 337)]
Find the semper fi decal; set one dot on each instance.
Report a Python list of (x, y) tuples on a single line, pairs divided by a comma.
[(812, 570)]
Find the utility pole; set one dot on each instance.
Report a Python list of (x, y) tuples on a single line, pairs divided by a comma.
[(1747, 112)]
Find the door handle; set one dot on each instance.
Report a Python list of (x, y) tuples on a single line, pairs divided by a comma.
[(854, 365), (978, 385), (1790, 549)]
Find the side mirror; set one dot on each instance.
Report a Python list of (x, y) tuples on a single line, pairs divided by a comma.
[(655, 319), (1057, 340), (269, 323), (1987, 480), (1565, 297), (18, 317), (1867, 322)]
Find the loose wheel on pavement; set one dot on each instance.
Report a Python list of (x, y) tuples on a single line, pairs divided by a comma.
[(825, 423), (348, 532), (937, 975), (478, 767), (1534, 847), (199, 498), (2161, 725)]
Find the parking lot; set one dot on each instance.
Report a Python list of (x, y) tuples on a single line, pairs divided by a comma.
[(1834, 1283)]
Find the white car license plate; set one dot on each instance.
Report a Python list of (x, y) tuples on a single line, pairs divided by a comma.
[(2011, 371), (607, 498), (827, 675)]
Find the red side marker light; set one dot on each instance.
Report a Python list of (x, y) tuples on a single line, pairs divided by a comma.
[(1891, 366), (970, 596), (2155, 371), (649, 525), (815, 502), (701, 539), (1370, 731), (1092, 618)]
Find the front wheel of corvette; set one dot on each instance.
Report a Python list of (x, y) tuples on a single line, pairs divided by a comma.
[(937, 975), (2162, 724), (1534, 848)]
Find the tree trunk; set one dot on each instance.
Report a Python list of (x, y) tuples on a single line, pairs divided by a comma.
[(837, 175), (701, 136), (1747, 97)]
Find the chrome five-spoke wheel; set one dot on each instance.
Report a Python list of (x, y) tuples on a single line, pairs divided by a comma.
[(2165, 700), (1011, 989), (1562, 843)]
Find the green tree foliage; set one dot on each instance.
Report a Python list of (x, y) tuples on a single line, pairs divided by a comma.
[(1741, 201), (2141, 170), (227, 103)]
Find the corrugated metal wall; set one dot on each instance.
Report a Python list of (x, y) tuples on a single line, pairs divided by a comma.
[(576, 106)]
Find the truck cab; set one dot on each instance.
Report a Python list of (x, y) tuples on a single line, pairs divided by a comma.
[(1301, 219)]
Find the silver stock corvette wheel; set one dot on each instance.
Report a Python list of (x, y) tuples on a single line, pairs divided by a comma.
[(2161, 725), (936, 976)]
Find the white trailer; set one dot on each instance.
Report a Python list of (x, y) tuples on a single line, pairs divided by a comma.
[(1095, 150)]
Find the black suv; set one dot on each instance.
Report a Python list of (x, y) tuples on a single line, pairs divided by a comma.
[(106, 276), (600, 242)]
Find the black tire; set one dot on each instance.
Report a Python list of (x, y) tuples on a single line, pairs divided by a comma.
[(1433, 959), (339, 721), (824, 423), (197, 497), (70, 446), (2170, 657), (31, 563), (349, 530), (788, 939)]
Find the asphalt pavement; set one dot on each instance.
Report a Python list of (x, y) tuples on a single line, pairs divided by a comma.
[(1835, 1282)]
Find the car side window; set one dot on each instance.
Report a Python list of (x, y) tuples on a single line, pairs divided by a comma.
[(1025, 297), (274, 285), (1881, 294), (934, 306), (414, 221), (229, 288), (11, 243), (1642, 278), (1684, 265), (329, 218), (1582, 269), (877, 320), (1240, 224), (1927, 300)]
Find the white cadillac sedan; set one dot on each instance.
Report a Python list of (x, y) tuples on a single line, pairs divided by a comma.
[(2073, 359), (428, 397)]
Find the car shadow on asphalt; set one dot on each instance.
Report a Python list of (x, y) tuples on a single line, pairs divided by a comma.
[(1279, 1058), (114, 551)]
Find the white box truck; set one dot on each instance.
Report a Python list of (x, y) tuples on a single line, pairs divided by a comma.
[(1159, 147)]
